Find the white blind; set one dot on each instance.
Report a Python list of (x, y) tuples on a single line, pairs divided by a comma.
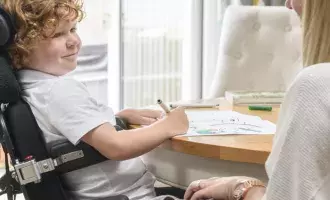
[(153, 34)]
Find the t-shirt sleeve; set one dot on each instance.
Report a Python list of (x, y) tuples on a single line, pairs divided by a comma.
[(73, 111)]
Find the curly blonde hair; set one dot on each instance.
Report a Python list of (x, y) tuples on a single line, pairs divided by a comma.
[(33, 20)]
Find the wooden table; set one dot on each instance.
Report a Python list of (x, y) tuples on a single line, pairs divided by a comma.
[(183, 159), (239, 148)]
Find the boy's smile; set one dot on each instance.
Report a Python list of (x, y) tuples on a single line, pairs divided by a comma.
[(71, 57)]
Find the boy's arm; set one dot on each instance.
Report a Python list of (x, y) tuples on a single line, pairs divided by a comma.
[(128, 144), (139, 116)]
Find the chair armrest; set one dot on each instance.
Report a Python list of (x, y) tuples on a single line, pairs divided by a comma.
[(122, 123), (91, 155)]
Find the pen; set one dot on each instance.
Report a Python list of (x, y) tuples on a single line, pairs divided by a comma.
[(265, 108), (194, 105), (163, 106)]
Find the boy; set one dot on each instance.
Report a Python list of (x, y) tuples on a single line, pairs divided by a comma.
[(45, 50)]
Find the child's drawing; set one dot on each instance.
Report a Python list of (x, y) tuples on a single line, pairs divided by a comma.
[(226, 122)]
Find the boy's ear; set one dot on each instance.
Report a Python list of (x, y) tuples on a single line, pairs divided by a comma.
[(7, 28)]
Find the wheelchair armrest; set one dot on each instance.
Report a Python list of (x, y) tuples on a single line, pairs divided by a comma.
[(122, 123), (91, 155)]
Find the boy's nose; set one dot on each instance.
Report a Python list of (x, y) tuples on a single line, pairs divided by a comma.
[(73, 41)]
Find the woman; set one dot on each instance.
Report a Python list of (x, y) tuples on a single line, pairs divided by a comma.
[(299, 164)]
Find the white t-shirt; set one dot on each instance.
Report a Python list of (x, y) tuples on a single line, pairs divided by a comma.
[(64, 109), (299, 164)]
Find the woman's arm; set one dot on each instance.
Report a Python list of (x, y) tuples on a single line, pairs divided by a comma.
[(299, 161)]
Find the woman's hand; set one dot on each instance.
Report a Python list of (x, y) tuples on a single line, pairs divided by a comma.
[(140, 116), (214, 188)]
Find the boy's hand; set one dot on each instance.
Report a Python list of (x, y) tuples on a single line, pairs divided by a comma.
[(140, 116), (177, 122)]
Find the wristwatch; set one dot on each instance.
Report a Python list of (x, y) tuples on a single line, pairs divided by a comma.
[(244, 186)]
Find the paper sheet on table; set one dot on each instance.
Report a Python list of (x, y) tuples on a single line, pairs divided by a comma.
[(226, 122)]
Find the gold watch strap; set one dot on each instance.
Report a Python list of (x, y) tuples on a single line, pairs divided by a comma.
[(245, 185)]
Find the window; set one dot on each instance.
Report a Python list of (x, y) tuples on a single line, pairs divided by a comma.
[(93, 57), (155, 50), (152, 51)]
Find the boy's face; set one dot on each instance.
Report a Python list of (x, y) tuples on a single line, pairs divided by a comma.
[(57, 55)]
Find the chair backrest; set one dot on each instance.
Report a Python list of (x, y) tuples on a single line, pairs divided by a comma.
[(259, 50)]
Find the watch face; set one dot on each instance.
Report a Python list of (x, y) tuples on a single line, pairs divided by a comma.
[(238, 193)]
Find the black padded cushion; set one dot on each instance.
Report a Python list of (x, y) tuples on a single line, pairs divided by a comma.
[(4, 31), (28, 141), (7, 30), (91, 155), (9, 87)]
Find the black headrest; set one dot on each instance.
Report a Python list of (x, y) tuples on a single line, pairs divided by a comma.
[(9, 87), (7, 30)]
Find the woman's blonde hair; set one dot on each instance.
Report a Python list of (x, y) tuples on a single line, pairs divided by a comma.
[(33, 20), (316, 32)]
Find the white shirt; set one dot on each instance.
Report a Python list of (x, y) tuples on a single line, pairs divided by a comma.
[(299, 164), (64, 109)]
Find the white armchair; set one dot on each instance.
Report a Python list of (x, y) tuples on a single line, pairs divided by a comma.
[(260, 49)]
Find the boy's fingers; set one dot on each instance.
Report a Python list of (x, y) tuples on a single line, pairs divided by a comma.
[(147, 120), (151, 113)]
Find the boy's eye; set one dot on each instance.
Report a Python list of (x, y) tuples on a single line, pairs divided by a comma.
[(57, 35), (74, 29)]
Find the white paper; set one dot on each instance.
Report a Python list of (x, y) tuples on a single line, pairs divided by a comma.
[(203, 123)]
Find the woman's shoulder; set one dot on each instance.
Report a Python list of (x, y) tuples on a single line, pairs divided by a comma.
[(312, 80), (314, 73)]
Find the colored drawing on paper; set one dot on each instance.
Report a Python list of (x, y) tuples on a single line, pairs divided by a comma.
[(208, 131), (226, 122)]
